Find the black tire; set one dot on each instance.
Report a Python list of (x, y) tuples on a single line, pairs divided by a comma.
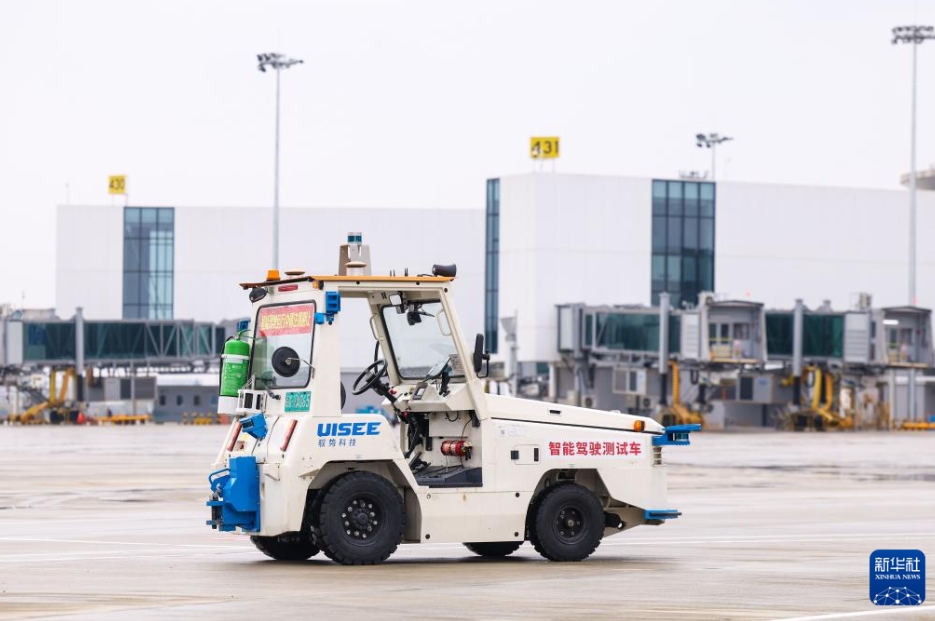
[(286, 547), (569, 523), (531, 518), (493, 549), (361, 520)]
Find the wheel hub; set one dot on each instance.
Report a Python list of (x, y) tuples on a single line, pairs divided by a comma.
[(360, 518), (570, 523)]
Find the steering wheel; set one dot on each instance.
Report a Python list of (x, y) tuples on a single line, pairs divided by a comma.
[(369, 378)]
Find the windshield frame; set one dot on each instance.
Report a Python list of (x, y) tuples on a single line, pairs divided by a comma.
[(462, 376), (253, 348)]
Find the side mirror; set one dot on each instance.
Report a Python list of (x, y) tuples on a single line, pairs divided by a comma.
[(480, 355)]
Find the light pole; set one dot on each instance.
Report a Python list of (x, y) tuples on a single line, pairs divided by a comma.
[(277, 62), (915, 35), (711, 141)]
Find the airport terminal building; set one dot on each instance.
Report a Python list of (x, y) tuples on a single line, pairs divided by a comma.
[(540, 240)]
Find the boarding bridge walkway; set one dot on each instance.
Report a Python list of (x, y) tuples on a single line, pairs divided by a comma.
[(124, 343)]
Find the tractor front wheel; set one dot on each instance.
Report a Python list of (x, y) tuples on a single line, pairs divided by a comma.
[(361, 520)]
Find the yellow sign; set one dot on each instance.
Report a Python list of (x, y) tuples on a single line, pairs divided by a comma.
[(117, 184), (543, 148)]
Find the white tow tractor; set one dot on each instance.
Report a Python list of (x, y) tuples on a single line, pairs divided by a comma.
[(443, 462)]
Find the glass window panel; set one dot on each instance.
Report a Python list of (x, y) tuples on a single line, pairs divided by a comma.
[(659, 234), (163, 290), (779, 334), (166, 258), (705, 273), (131, 255), (166, 215), (675, 198), (690, 234), (659, 272), (147, 223), (675, 301), (691, 199), (706, 235), (159, 255), (628, 331), (147, 289), (131, 288), (659, 198), (131, 221), (153, 257), (673, 273), (689, 273), (674, 234), (707, 200)]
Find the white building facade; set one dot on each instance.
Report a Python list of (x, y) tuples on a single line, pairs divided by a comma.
[(560, 238), (186, 262), (542, 239)]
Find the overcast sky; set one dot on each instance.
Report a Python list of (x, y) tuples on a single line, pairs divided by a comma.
[(415, 104)]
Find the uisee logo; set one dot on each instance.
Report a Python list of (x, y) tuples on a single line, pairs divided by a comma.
[(326, 430)]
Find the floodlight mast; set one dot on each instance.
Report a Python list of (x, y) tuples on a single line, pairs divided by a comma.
[(278, 62), (711, 141), (915, 35)]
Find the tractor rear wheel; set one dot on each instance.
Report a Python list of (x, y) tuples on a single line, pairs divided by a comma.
[(493, 549), (569, 523), (361, 520), (286, 547)]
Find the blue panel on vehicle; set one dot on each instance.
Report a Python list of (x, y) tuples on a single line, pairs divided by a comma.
[(254, 425), (661, 514), (236, 500), (332, 302), (676, 435)]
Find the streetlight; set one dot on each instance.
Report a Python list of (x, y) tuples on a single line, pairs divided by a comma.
[(277, 62), (914, 35), (711, 141)]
